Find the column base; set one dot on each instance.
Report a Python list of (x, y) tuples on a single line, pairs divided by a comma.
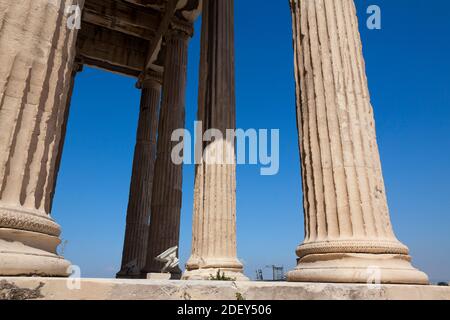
[(357, 268), (210, 274), (206, 269), (175, 273), (26, 253), (126, 275), (159, 276), (129, 271)]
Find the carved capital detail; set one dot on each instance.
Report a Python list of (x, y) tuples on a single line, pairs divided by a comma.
[(180, 28), (150, 79)]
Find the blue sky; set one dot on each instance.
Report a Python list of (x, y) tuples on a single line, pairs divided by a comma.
[(409, 78)]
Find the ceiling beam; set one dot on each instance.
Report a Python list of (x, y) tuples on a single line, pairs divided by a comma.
[(162, 30), (126, 18), (111, 50)]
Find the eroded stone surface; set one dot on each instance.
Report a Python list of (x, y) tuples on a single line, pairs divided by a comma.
[(348, 229), (99, 289), (134, 253), (37, 52), (164, 230), (347, 224), (214, 219), (10, 291)]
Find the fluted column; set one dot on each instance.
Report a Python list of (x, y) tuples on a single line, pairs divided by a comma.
[(138, 214), (214, 220), (167, 189), (349, 237), (37, 50), (77, 68)]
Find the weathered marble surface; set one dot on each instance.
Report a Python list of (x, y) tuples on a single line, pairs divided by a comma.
[(347, 224), (112, 289)]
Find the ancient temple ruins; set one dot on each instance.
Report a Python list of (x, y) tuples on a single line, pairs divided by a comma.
[(347, 220)]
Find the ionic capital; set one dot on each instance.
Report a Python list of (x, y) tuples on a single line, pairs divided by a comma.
[(150, 79), (180, 29)]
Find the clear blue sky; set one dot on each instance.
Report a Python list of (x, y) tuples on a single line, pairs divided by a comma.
[(408, 68)]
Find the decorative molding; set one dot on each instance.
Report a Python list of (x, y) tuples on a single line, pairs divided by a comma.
[(352, 246), (22, 220)]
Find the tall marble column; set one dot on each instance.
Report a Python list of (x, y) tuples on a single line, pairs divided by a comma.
[(140, 199), (349, 237), (77, 68), (167, 189), (214, 220), (37, 51)]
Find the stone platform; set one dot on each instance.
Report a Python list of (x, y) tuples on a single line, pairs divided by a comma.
[(112, 289)]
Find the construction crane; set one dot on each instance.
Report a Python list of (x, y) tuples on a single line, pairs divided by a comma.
[(278, 272), (259, 275)]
